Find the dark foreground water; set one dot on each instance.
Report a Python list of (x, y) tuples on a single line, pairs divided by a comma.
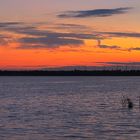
[(68, 108)]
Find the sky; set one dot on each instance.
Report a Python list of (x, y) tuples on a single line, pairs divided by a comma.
[(38, 34)]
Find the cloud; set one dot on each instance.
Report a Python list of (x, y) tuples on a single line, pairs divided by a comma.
[(48, 42), (46, 33), (118, 48), (34, 31), (109, 47), (48, 39), (37, 38), (69, 26), (134, 49), (122, 34), (94, 13), (5, 39), (31, 36), (120, 63), (7, 24)]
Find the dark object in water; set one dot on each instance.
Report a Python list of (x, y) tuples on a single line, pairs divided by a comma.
[(130, 104), (139, 101)]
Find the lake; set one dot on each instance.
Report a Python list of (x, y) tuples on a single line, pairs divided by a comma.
[(69, 108)]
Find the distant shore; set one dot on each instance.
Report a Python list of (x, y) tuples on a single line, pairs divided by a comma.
[(71, 73)]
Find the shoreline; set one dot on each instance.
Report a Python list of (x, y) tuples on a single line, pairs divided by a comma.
[(71, 73)]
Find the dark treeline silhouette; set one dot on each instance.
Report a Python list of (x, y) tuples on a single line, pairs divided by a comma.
[(71, 73)]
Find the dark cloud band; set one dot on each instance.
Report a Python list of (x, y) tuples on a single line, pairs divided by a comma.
[(121, 63), (46, 42), (94, 13), (122, 34)]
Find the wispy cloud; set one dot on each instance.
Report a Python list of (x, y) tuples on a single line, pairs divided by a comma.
[(134, 49), (50, 39), (94, 13), (7, 24), (110, 47), (122, 34), (48, 42), (31, 36), (5, 39), (120, 63), (103, 46), (70, 26)]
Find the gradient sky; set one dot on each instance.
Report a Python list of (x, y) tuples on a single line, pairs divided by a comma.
[(52, 33)]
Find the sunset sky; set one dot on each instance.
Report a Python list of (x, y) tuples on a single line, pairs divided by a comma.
[(53, 33)]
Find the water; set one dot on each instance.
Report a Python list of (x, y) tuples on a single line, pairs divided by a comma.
[(68, 108)]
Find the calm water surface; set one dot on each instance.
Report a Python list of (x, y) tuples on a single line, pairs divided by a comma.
[(68, 108)]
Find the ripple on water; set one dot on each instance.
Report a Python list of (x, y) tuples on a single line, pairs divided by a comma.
[(65, 108)]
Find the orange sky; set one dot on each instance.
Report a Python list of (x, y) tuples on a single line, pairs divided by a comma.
[(60, 38)]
